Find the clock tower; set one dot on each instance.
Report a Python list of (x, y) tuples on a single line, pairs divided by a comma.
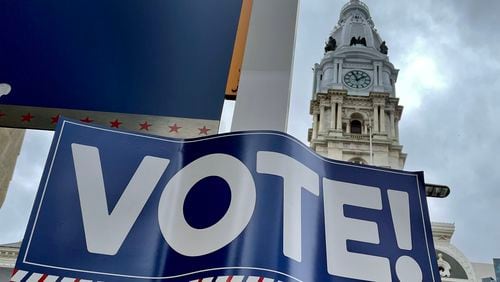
[(354, 106)]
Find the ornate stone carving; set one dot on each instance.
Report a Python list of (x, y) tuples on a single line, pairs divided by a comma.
[(324, 100), (399, 112), (444, 266), (358, 102), (456, 254), (314, 107), (358, 66), (333, 92)]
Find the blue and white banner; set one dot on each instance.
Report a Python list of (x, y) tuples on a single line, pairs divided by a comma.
[(146, 65), (247, 206)]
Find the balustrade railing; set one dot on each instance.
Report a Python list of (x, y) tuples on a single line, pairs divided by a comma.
[(357, 136)]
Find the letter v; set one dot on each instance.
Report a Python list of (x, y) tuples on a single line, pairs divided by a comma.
[(105, 232)]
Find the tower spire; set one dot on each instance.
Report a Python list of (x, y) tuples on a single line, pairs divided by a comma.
[(355, 22)]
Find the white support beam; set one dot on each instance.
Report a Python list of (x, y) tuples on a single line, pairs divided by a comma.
[(264, 91)]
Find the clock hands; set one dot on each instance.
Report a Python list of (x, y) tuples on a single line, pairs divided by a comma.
[(357, 79)]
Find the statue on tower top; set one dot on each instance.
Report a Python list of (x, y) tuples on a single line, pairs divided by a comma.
[(383, 48), (356, 41), (331, 45)]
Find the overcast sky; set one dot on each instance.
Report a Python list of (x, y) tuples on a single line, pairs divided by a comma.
[(448, 53)]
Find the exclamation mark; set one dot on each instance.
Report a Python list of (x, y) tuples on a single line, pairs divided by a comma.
[(400, 211), (407, 268)]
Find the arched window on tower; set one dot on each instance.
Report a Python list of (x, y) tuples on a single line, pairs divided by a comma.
[(356, 123), (355, 126)]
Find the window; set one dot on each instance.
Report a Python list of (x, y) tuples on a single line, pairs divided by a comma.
[(356, 127)]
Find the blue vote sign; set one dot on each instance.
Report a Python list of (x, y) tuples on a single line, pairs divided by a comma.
[(244, 206), (128, 61)]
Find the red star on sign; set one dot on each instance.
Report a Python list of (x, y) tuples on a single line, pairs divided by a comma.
[(27, 117), (115, 124), (145, 126), (2, 114), (203, 130), (87, 120), (54, 119), (174, 128)]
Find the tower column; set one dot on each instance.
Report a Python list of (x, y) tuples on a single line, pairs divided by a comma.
[(375, 118), (397, 129), (335, 71), (339, 116), (392, 124), (316, 80), (377, 73), (321, 118), (382, 119), (340, 70), (333, 115), (315, 126)]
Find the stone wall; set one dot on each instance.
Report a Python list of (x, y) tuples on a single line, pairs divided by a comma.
[(10, 145)]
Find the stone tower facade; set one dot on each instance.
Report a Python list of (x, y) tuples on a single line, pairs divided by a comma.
[(355, 111), (354, 105), (10, 145)]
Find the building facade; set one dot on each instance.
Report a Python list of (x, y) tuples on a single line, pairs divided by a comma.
[(10, 145), (8, 256), (356, 116), (453, 264)]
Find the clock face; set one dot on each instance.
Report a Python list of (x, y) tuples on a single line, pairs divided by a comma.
[(357, 79)]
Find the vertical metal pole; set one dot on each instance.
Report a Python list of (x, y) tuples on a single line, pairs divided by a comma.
[(371, 143)]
